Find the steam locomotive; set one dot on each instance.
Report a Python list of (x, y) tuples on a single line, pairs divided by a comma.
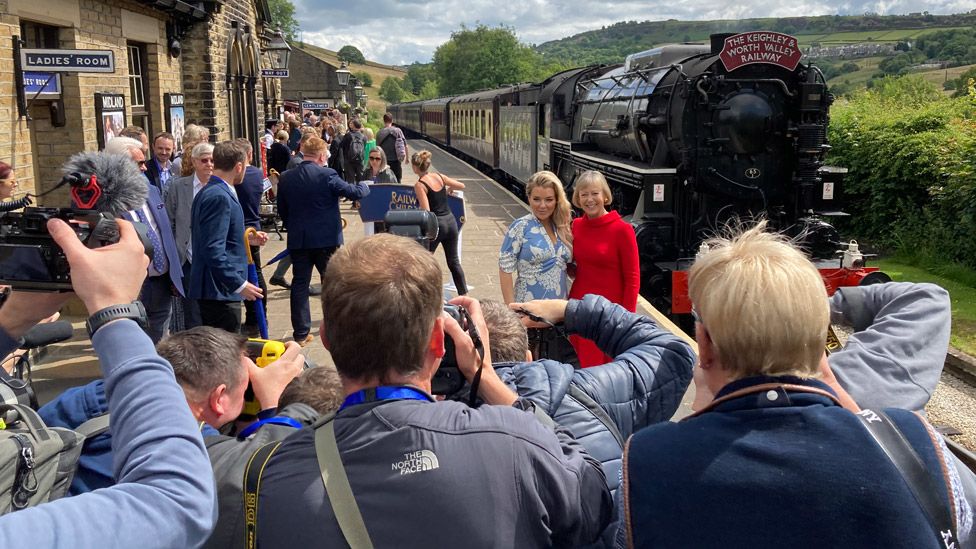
[(690, 137)]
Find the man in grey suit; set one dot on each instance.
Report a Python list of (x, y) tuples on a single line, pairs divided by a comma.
[(179, 205)]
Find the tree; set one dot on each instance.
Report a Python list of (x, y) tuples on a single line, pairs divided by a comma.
[(351, 54), (390, 90), (365, 79), (480, 58), (417, 76), (429, 90), (283, 17)]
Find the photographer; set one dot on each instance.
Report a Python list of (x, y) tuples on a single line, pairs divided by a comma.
[(165, 493), (424, 473), (212, 369)]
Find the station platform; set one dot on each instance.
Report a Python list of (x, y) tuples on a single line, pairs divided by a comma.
[(489, 210)]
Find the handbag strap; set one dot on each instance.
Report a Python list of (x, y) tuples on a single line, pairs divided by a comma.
[(892, 441), (338, 490)]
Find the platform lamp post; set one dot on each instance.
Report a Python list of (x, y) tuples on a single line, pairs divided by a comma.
[(278, 51), (342, 75)]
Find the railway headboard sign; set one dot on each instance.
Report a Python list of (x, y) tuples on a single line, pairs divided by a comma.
[(771, 48), (67, 60), (385, 197)]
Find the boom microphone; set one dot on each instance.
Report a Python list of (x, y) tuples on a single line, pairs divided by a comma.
[(123, 186)]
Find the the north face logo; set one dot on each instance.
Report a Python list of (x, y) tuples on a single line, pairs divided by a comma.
[(415, 462)]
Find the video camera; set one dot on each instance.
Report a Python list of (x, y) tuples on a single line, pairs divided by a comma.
[(31, 260), (418, 225)]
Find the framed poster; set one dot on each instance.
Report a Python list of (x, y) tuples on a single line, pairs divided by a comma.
[(175, 117), (110, 116)]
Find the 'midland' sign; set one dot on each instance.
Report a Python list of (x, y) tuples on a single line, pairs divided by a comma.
[(772, 48)]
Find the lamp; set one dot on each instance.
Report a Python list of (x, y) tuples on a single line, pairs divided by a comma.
[(365, 98), (357, 90), (278, 51), (343, 75)]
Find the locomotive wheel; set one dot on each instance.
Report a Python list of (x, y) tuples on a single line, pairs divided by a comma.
[(877, 277)]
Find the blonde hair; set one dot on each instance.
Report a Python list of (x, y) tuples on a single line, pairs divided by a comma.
[(313, 146), (561, 217), (762, 302), (380, 296), (193, 134), (587, 179), (421, 160), (369, 134)]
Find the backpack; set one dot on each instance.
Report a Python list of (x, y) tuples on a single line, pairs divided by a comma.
[(357, 149), (37, 462), (401, 146)]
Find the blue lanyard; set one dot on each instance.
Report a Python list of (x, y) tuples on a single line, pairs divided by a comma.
[(385, 393), (277, 420)]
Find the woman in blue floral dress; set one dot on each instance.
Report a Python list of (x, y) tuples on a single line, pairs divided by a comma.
[(537, 247)]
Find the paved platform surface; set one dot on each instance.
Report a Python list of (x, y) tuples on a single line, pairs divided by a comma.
[(489, 210)]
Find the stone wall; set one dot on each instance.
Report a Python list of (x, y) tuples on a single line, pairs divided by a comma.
[(15, 142)]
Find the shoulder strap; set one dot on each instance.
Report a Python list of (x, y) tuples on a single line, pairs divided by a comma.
[(388, 135), (94, 426), (923, 487), (338, 490), (597, 410), (252, 487)]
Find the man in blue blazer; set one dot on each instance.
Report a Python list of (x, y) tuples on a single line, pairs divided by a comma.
[(218, 274), (165, 275), (308, 203)]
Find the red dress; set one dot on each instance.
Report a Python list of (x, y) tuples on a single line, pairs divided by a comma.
[(607, 264)]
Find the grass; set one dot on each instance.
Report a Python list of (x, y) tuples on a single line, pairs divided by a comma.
[(881, 35), (961, 285)]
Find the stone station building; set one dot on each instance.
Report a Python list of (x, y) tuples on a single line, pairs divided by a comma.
[(208, 51)]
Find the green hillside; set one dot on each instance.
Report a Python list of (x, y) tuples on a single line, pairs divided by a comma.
[(611, 44)]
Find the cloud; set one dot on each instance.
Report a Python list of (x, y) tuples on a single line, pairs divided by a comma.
[(399, 32)]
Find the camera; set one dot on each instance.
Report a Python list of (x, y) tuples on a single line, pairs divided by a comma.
[(448, 378), (417, 225), (262, 352), (31, 260)]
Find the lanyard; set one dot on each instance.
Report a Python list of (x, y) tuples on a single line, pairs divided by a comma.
[(277, 420), (385, 393)]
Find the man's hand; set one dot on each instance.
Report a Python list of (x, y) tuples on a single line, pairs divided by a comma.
[(106, 276), (251, 292), (259, 238), (552, 310), (491, 389), (269, 382)]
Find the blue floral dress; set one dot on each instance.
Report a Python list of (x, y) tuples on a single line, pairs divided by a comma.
[(539, 265)]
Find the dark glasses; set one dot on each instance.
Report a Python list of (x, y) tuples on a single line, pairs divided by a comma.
[(375, 158)]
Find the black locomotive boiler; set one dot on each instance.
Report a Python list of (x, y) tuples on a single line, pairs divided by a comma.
[(690, 137)]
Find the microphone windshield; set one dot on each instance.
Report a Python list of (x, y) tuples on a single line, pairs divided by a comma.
[(124, 187), (46, 334)]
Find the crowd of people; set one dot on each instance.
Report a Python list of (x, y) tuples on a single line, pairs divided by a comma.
[(545, 445)]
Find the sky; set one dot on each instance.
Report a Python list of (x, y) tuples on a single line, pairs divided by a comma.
[(399, 32)]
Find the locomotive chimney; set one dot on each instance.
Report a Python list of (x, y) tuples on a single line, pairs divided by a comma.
[(718, 41)]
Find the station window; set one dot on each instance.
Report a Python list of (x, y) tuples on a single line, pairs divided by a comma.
[(139, 86), (37, 35)]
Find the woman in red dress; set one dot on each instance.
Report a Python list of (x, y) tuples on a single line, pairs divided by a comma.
[(605, 252)]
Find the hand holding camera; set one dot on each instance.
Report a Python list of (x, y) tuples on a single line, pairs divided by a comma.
[(269, 381), (469, 360)]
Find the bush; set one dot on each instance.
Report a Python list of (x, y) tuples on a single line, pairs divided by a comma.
[(912, 184)]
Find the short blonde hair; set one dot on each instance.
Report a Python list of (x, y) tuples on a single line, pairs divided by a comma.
[(592, 178), (380, 296), (763, 304), (369, 134)]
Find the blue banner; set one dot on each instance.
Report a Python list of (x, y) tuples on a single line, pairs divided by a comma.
[(385, 197)]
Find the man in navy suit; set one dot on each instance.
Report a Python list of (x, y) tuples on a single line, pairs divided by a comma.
[(308, 203), (218, 274), (158, 167), (165, 275)]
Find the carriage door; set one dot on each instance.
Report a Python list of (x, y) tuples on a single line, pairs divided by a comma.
[(544, 112)]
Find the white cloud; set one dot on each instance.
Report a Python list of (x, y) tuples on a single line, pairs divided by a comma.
[(399, 32)]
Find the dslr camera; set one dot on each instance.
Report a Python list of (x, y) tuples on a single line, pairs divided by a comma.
[(448, 378), (31, 260)]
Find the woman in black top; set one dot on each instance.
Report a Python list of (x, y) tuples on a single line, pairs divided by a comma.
[(431, 190), (279, 154)]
